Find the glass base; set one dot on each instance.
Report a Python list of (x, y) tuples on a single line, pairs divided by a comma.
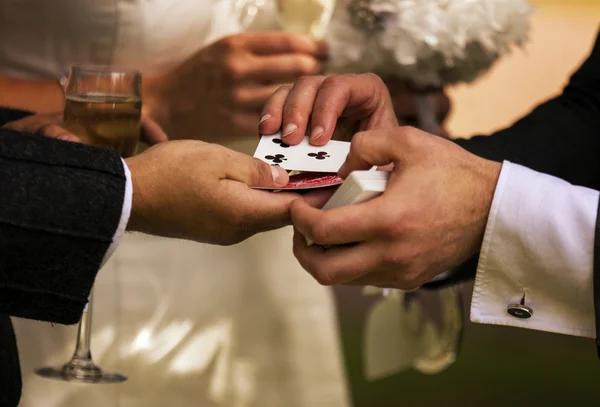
[(82, 371)]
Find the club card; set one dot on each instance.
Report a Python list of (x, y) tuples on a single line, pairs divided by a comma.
[(309, 180), (302, 157)]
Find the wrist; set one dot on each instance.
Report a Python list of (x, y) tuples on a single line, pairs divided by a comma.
[(489, 174), (138, 218)]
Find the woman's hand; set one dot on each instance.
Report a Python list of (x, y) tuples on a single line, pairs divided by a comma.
[(218, 93), (51, 125), (47, 125)]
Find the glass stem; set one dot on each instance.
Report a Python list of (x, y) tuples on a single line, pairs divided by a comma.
[(82, 348)]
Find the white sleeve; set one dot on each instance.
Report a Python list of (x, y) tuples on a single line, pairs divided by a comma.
[(125, 213), (539, 242)]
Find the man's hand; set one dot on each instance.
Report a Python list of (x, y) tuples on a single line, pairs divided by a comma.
[(431, 218), (199, 191), (344, 104)]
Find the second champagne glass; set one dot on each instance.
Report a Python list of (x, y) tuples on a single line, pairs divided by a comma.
[(103, 108), (309, 17)]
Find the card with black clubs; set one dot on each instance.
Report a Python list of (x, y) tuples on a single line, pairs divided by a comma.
[(304, 156)]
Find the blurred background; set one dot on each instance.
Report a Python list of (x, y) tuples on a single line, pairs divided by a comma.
[(500, 366)]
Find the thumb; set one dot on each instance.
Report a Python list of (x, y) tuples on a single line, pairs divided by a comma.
[(256, 173), (152, 133), (374, 148)]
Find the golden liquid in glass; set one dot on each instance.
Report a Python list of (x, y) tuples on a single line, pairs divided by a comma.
[(106, 121)]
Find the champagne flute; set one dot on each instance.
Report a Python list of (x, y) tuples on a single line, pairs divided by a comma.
[(103, 108), (309, 17)]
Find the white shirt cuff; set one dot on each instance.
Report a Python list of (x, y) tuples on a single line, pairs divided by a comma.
[(125, 213), (539, 242)]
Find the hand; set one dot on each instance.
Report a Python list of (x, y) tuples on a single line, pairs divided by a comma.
[(46, 125), (431, 217), (218, 93), (50, 125), (346, 103), (199, 191)]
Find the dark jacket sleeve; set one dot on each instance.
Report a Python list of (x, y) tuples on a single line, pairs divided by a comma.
[(60, 205), (560, 137)]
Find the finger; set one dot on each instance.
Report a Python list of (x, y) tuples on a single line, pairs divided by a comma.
[(298, 108), (376, 147), (272, 113), (57, 132), (359, 97), (338, 265), (253, 172), (262, 210), (152, 133), (319, 197), (343, 225), (253, 97), (32, 124), (282, 68), (284, 43), (398, 278)]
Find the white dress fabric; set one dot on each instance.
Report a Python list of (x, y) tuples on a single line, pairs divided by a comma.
[(189, 324)]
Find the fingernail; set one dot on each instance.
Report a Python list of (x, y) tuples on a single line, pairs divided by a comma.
[(279, 175), (264, 117), (68, 137), (289, 129), (316, 133)]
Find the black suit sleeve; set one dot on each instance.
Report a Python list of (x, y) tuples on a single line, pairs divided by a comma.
[(560, 137), (60, 205)]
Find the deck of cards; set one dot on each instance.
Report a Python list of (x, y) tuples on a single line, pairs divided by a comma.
[(311, 166), (359, 187)]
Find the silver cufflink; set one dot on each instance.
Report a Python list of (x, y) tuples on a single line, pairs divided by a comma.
[(520, 310)]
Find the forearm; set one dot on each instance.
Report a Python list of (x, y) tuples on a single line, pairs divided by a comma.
[(40, 96)]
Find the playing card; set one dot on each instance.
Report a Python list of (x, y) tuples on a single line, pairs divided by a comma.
[(309, 180), (302, 157)]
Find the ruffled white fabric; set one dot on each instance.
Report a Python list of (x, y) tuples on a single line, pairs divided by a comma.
[(428, 42)]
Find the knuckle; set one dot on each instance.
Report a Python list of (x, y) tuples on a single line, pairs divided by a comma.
[(394, 224), (408, 280), (324, 277), (290, 41), (261, 174), (293, 112), (237, 96), (374, 79), (335, 82), (235, 70), (319, 233), (306, 65), (393, 259), (228, 44), (358, 143)]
